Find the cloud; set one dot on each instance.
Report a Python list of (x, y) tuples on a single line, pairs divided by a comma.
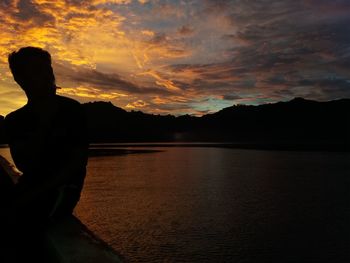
[(161, 81), (185, 30), (168, 9), (108, 82), (275, 50), (118, 2), (148, 33), (231, 97), (59, 26), (91, 93), (326, 88), (11, 99), (136, 104), (27, 11), (183, 56)]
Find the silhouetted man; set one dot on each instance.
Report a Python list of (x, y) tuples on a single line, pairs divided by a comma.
[(47, 139)]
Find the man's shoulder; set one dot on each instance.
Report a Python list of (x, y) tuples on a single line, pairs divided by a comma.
[(17, 114), (68, 102), (70, 108), (69, 105)]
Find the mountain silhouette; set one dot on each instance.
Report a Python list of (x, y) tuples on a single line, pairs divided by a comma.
[(299, 123), (296, 122), (109, 123)]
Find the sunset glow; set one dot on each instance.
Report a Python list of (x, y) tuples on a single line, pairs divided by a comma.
[(182, 56)]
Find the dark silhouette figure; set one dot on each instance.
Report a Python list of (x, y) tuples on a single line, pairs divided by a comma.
[(48, 143)]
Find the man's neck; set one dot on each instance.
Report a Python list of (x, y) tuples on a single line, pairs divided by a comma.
[(41, 102)]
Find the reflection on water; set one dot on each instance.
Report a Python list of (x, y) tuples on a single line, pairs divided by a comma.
[(221, 205)]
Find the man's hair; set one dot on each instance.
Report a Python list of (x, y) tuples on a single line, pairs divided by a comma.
[(30, 58)]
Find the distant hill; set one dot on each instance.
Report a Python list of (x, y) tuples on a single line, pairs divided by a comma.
[(298, 123), (109, 123)]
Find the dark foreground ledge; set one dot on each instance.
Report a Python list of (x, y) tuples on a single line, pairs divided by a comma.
[(73, 242), (68, 240)]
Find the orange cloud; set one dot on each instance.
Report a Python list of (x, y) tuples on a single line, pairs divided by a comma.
[(88, 92), (149, 33), (171, 99), (123, 2), (136, 104), (168, 84), (171, 56)]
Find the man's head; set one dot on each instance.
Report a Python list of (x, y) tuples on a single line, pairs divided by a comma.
[(32, 70)]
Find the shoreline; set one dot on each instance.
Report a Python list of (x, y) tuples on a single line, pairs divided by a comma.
[(246, 145), (123, 148)]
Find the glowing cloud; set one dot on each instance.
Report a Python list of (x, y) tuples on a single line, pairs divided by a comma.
[(182, 56)]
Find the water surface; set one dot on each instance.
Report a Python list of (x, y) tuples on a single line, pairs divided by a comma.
[(191, 204), (221, 205)]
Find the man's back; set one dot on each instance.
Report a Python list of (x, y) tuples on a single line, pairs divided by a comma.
[(48, 144), (43, 141)]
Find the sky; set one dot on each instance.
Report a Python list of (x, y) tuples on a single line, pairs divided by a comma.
[(182, 57)]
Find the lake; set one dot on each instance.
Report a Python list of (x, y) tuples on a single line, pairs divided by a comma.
[(211, 204)]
